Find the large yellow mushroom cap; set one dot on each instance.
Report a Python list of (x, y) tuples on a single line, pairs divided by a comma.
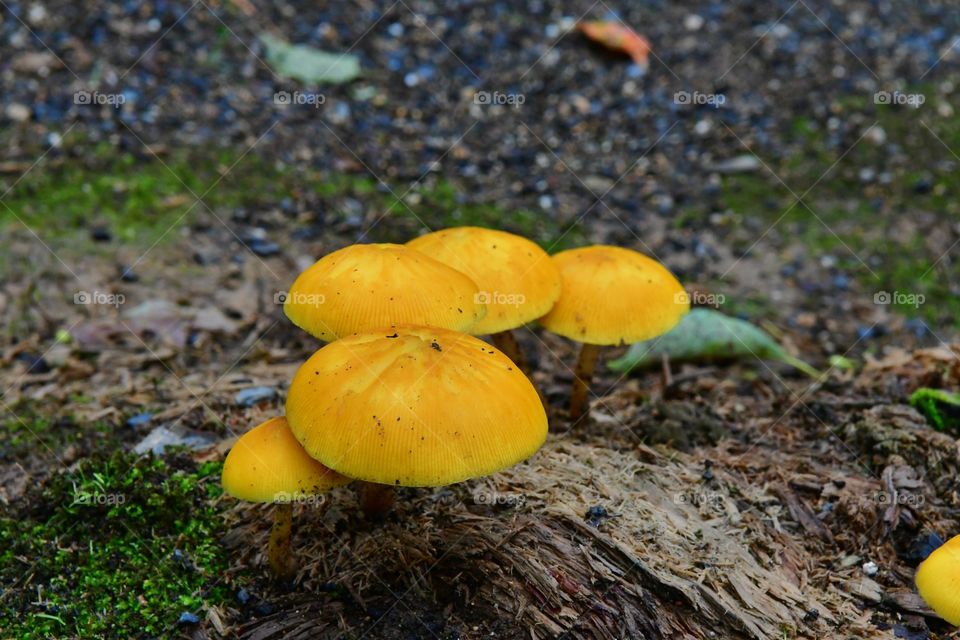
[(610, 295), (938, 580), (267, 464), (414, 406), (517, 280), (368, 286)]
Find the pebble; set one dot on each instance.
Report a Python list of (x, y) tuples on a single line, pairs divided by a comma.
[(35, 364), (254, 395), (870, 569), (693, 22), (17, 112), (139, 420), (187, 618), (263, 248), (737, 164)]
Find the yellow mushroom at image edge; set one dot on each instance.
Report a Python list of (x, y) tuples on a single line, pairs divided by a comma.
[(414, 407), (938, 581), (268, 465), (611, 296), (368, 286), (517, 280)]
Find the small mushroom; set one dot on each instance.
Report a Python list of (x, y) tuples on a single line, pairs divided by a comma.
[(517, 280), (268, 465), (611, 296), (368, 286), (938, 581), (414, 407)]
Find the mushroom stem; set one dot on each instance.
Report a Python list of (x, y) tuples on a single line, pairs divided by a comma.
[(586, 363), (278, 549), (506, 341), (375, 499)]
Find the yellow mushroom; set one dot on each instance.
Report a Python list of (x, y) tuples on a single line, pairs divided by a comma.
[(938, 581), (414, 406), (267, 464), (368, 286), (517, 280), (611, 296)]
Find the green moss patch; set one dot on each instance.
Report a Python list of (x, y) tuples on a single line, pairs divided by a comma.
[(119, 548)]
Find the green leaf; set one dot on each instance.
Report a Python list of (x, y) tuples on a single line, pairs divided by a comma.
[(707, 335), (309, 65), (941, 408)]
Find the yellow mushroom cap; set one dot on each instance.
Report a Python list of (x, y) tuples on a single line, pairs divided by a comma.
[(938, 581), (367, 286), (610, 295), (267, 464), (517, 280), (414, 406)]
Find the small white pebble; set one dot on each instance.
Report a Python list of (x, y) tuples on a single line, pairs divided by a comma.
[(870, 568)]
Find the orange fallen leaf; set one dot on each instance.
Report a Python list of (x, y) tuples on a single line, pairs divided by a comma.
[(619, 37)]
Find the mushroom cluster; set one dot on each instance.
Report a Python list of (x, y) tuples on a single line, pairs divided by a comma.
[(404, 393)]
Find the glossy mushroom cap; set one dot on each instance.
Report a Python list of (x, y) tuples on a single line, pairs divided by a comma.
[(367, 286), (517, 280), (938, 580), (610, 295), (267, 464), (415, 406)]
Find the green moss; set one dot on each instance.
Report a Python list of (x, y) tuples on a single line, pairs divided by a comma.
[(118, 548), (941, 408), (26, 432)]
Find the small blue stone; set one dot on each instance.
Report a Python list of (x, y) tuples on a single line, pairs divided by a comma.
[(188, 618)]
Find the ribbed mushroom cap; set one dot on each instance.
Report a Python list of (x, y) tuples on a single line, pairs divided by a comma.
[(368, 286), (517, 280), (938, 581), (414, 406), (267, 464), (610, 295)]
